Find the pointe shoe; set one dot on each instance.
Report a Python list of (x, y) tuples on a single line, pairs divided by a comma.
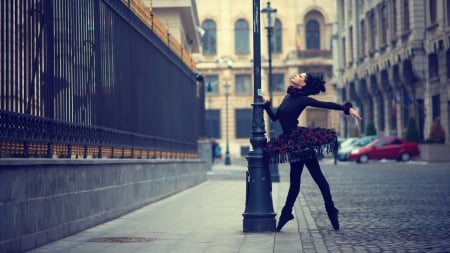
[(333, 216), (284, 218)]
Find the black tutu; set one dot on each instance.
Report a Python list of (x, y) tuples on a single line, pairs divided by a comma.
[(301, 144)]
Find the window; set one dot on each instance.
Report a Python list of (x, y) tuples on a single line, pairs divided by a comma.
[(312, 35), (381, 143), (433, 11), (242, 84), (363, 38), (396, 142), (277, 37), (350, 34), (448, 62), (436, 106), (394, 23), (406, 15), (211, 84), (243, 123), (447, 13), (209, 38), (241, 37), (344, 52), (373, 25), (433, 66), (212, 123), (384, 25), (277, 82)]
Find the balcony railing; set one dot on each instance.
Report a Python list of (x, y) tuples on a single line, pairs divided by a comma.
[(314, 53)]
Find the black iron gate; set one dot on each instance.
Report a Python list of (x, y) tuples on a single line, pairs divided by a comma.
[(88, 78)]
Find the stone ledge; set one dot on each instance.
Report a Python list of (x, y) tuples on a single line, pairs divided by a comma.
[(434, 152)]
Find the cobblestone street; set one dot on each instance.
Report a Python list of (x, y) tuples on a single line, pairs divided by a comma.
[(384, 207)]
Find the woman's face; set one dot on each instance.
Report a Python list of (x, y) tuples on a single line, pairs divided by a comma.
[(298, 80)]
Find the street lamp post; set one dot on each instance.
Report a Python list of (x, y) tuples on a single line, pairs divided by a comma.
[(269, 10), (227, 151), (259, 215)]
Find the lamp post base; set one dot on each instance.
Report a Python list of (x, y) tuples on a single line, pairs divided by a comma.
[(259, 223), (259, 215), (227, 159)]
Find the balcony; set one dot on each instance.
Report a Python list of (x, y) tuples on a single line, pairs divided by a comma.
[(314, 53)]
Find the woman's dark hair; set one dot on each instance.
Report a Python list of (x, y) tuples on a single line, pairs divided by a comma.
[(314, 84)]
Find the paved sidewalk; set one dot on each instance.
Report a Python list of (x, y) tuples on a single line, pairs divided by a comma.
[(205, 218)]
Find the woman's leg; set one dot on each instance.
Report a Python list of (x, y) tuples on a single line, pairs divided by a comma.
[(294, 189), (294, 185), (316, 173)]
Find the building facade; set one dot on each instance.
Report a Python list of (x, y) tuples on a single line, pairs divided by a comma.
[(179, 19), (393, 62), (301, 42)]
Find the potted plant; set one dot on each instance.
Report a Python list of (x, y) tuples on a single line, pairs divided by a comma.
[(435, 148)]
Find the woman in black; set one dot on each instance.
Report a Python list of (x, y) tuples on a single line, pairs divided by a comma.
[(301, 145)]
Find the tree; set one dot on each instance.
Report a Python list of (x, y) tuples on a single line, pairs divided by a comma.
[(437, 132), (412, 134), (370, 129)]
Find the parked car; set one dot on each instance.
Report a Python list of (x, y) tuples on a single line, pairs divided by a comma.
[(348, 141), (344, 151), (387, 147)]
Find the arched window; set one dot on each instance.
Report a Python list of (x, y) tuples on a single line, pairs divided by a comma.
[(241, 37), (277, 36), (312, 35), (209, 37)]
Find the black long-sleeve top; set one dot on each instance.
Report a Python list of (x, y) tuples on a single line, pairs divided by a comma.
[(293, 105)]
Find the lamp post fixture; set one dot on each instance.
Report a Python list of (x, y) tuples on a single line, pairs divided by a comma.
[(269, 10), (259, 215), (227, 150)]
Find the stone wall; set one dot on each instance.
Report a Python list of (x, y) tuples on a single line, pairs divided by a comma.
[(434, 152), (42, 200)]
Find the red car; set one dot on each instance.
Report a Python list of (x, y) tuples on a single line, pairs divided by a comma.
[(386, 147)]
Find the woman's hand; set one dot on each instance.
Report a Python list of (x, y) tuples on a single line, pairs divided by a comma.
[(266, 102), (354, 114)]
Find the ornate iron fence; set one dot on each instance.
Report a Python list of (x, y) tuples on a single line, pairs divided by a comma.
[(88, 78)]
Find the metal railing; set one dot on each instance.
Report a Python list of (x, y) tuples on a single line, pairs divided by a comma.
[(313, 53), (89, 78), (152, 21)]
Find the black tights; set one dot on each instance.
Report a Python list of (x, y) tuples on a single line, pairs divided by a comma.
[(294, 187)]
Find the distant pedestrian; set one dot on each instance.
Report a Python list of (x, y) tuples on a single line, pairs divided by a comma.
[(335, 151), (302, 145), (218, 151), (214, 145)]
